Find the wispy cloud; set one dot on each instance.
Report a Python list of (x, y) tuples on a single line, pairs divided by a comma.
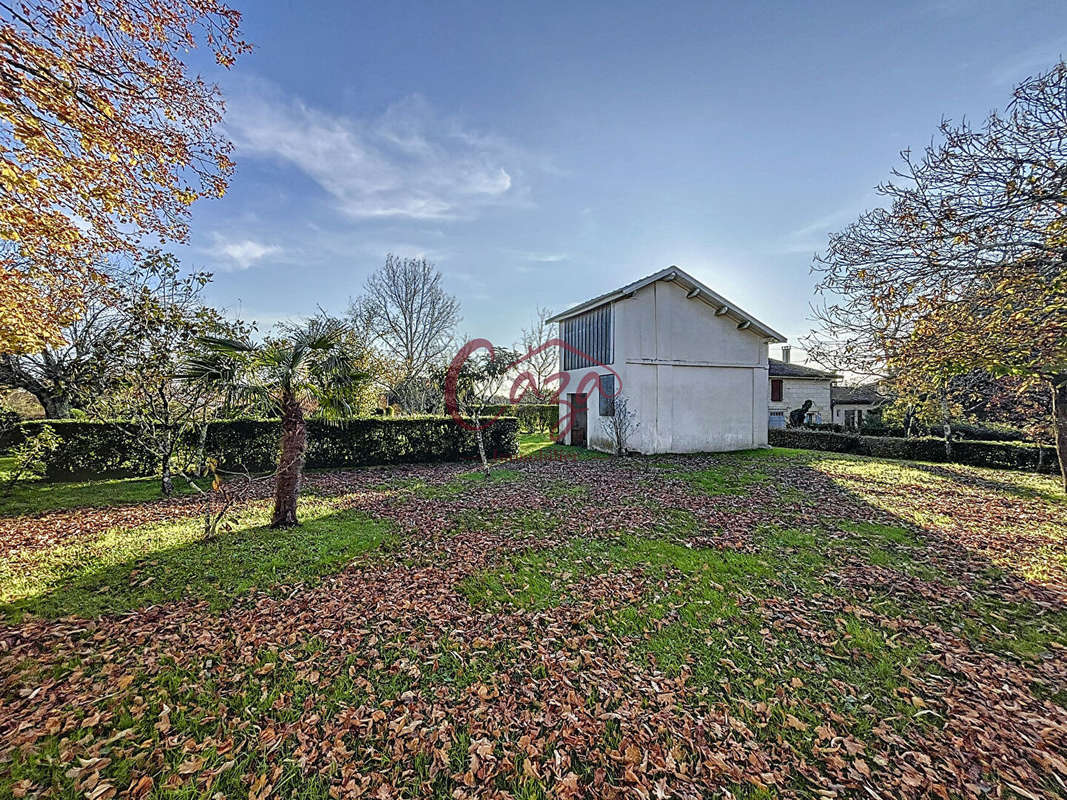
[(538, 257), (810, 237), (827, 222), (1033, 60), (408, 162), (241, 254)]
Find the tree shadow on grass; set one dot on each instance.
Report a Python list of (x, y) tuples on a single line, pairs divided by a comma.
[(39, 496), (163, 563), (986, 481), (963, 580)]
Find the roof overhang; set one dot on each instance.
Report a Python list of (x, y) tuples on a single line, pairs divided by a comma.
[(695, 290)]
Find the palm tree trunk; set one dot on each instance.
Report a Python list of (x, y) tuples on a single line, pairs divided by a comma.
[(290, 464)]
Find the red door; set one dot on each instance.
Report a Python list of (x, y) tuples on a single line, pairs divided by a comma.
[(578, 418)]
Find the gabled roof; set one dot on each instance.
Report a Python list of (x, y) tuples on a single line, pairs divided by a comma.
[(785, 369), (697, 291), (867, 394)]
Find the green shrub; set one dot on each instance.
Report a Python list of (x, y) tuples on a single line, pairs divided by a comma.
[(1001, 455), (90, 449), (30, 457), (960, 430), (108, 449), (9, 422), (533, 417)]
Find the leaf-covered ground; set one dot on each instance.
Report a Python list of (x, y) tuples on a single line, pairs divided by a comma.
[(764, 624)]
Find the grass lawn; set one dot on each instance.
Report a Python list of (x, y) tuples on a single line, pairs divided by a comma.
[(773, 623), (37, 496), (541, 445)]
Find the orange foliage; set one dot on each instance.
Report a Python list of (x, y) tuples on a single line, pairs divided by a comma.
[(105, 139)]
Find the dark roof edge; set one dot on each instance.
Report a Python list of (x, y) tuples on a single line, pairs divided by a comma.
[(703, 292)]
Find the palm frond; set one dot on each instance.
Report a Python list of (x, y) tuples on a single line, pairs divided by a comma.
[(225, 344), (311, 361)]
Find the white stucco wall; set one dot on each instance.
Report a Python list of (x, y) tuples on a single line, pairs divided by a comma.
[(695, 381), (862, 410), (796, 390)]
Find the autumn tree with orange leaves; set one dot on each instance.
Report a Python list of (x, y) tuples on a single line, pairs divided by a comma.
[(106, 139), (966, 266)]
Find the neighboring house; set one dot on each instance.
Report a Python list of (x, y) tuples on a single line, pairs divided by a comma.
[(853, 404), (792, 385), (691, 365)]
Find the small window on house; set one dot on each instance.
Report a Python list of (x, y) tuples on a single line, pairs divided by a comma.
[(607, 395), (776, 390), (850, 419)]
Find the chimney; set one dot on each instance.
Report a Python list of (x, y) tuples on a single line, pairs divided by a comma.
[(785, 353)]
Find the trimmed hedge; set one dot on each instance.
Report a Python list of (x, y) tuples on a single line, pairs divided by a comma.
[(532, 416), (105, 449), (89, 449), (253, 444), (1001, 455), (960, 430)]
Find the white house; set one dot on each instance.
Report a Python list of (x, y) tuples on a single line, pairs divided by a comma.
[(792, 385), (852, 405), (691, 365)]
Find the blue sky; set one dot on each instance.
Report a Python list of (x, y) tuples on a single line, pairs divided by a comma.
[(543, 153)]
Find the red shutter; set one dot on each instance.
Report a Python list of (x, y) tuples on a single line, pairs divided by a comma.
[(776, 390)]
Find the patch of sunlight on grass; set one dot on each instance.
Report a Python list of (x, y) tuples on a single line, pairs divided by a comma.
[(541, 445), (126, 568), (1025, 485), (532, 442), (35, 497), (763, 453), (877, 470), (1039, 564)]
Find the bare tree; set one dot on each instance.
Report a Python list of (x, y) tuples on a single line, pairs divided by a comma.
[(471, 384), (621, 425), (412, 319), (542, 362)]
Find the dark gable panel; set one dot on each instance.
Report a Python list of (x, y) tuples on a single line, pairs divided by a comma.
[(565, 332), (592, 335), (582, 345)]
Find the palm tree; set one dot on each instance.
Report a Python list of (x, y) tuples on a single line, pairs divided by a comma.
[(310, 369)]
